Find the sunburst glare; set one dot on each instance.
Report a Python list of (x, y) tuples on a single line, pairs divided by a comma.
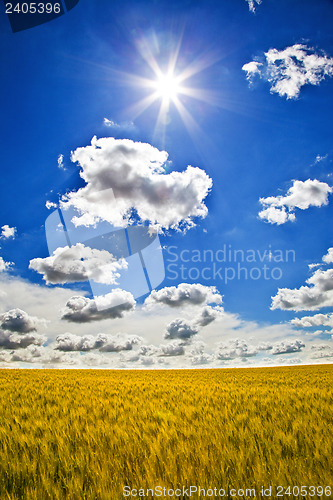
[(169, 86)]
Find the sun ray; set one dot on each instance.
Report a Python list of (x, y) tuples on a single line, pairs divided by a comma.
[(140, 107), (191, 125)]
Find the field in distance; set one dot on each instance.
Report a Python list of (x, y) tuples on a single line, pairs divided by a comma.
[(85, 434)]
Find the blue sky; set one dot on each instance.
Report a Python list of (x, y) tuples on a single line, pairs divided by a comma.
[(77, 77)]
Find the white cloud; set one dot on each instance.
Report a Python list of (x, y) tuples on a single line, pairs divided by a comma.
[(79, 263), (275, 215), (252, 68), (328, 258), (320, 158), (110, 306), (300, 195), (9, 340), (175, 348), (44, 357), (307, 298), (252, 4), (235, 349), (197, 355), (125, 178), (128, 126), (315, 320), (61, 162), (313, 266), (50, 204), (322, 351), (323, 355), (19, 321), (193, 296), (148, 350), (290, 69), (7, 232), (45, 302), (4, 266), (287, 347), (104, 343), (184, 294)]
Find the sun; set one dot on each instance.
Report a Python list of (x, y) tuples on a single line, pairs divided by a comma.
[(167, 87)]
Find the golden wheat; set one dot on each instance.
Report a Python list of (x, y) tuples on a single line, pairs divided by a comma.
[(85, 434)]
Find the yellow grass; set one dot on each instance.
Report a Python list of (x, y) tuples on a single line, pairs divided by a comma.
[(85, 434)]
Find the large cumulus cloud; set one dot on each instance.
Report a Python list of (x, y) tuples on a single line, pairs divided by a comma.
[(124, 177), (16, 320)]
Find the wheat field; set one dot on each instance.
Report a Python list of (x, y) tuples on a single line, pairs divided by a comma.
[(85, 434)]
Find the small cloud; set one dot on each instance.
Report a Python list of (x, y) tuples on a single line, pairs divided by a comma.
[(290, 69), (313, 266), (252, 4), (50, 204), (320, 158), (236, 349), (252, 68), (302, 195), (8, 232), (180, 329), (287, 347), (175, 348), (128, 126), (61, 162)]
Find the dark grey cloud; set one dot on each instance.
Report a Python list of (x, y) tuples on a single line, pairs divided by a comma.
[(81, 309), (19, 321), (180, 329)]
